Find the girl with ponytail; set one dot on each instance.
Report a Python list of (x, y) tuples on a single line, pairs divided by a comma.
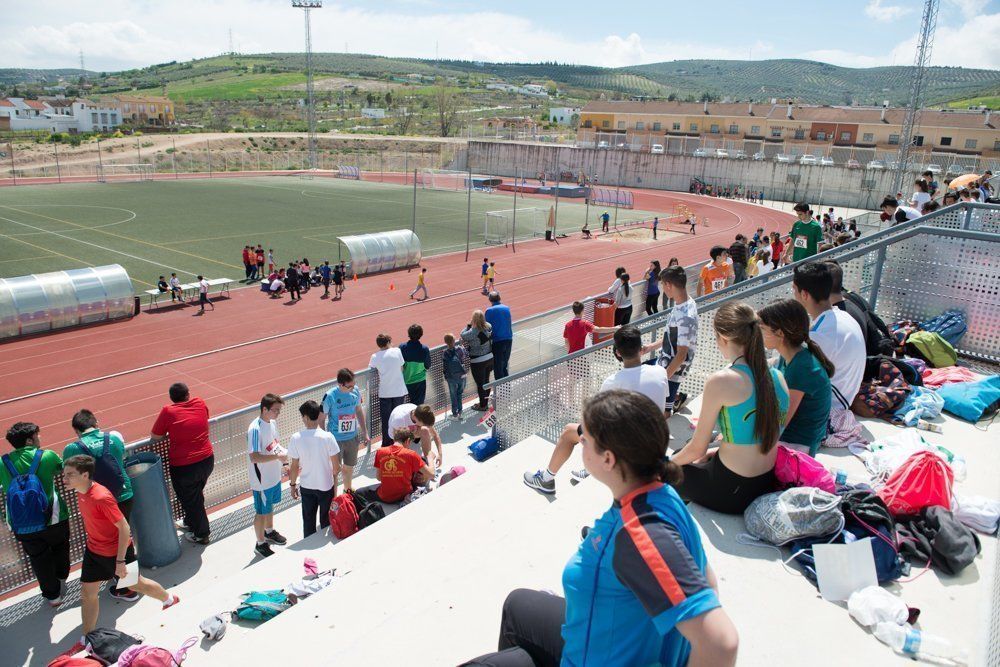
[(748, 400), (807, 372)]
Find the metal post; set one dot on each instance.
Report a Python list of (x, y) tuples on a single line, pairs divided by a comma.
[(413, 224), (208, 144), (138, 152), (100, 162), (877, 277), (621, 165), (468, 212), (58, 172), (513, 225), (555, 215), (257, 153), (381, 166), (173, 156), (406, 166), (13, 172)]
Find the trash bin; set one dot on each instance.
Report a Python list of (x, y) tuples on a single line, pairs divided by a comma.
[(152, 522), (604, 316)]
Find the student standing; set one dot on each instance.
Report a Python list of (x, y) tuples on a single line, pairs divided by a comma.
[(421, 284), (343, 410), (806, 235), (717, 274), (486, 268), (577, 329), (270, 260), (190, 456), (453, 361), (499, 317), (259, 257), (203, 294), (652, 287), (620, 292), (246, 263), (388, 361), (739, 253), (314, 458), (43, 533), (680, 337), (264, 456), (325, 273), (605, 221), (292, 282), (491, 276), (656, 223), (416, 361), (338, 281), (109, 541), (477, 337)]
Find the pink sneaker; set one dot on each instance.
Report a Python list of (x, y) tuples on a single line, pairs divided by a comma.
[(170, 601)]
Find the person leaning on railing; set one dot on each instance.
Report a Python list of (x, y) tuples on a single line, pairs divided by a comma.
[(190, 456)]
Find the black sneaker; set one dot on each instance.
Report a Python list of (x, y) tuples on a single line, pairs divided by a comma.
[(679, 401), (264, 550), (194, 539), (274, 537), (123, 594)]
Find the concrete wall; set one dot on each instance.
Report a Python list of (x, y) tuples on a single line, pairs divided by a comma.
[(828, 186)]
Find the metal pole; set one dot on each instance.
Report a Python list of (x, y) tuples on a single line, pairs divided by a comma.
[(138, 152), (555, 216), (406, 166), (621, 165), (468, 212), (381, 166), (173, 156), (100, 162), (13, 172), (413, 224), (208, 143), (513, 226), (58, 172)]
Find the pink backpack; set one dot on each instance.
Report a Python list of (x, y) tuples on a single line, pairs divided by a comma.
[(144, 655), (795, 468)]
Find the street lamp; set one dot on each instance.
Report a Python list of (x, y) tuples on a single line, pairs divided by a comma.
[(307, 6)]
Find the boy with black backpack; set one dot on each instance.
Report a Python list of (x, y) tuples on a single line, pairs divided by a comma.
[(107, 448), (35, 513)]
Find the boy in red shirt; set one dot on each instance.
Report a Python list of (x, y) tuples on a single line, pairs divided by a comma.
[(399, 468), (577, 329), (108, 541)]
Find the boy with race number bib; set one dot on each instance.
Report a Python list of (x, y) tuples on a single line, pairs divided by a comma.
[(717, 274), (345, 419)]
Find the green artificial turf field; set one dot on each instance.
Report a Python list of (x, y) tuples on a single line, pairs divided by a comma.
[(201, 226)]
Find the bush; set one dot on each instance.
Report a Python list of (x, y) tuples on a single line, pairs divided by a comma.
[(118, 135), (56, 137)]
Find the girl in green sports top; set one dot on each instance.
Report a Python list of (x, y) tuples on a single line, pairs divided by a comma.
[(748, 401)]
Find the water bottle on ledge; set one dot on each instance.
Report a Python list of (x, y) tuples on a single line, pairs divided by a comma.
[(910, 642)]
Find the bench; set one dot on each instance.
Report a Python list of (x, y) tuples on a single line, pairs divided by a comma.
[(189, 290)]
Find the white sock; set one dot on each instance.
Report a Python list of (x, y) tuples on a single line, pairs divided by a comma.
[(547, 476)]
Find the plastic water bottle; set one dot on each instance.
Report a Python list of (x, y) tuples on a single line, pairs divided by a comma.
[(909, 641), (958, 467), (841, 479)]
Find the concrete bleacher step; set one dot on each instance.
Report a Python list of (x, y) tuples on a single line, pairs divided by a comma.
[(395, 538), (442, 589)]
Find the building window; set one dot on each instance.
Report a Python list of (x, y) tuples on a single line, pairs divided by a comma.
[(996, 145), (142, 108), (893, 139), (657, 127), (621, 125), (946, 141), (970, 143), (714, 129), (734, 129), (677, 127), (639, 125), (166, 109), (605, 123), (776, 132), (104, 118), (755, 130), (152, 108), (868, 138), (821, 136), (114, 118), (586, 123), (800, 134), (694, 127), (93, 118), (845, 136)]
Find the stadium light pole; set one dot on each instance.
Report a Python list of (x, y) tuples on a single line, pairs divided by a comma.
[(307, 6)]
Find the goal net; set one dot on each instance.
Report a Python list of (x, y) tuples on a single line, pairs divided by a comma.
[(502, 227), (443, 179), (124, 172)]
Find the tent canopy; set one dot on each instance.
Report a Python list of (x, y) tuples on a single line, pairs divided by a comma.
[(382, 251)]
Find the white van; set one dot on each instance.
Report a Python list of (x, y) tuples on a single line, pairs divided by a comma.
[(656, 149)]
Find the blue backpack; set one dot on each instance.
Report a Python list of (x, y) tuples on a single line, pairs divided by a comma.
[(27, 504), (950, 325), (262, 605), (484, 448), (107, 471)]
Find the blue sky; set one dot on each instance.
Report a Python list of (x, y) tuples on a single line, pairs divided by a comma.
[(858, 33)]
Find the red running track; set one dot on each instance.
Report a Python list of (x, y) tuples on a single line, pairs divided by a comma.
[(222, 358)]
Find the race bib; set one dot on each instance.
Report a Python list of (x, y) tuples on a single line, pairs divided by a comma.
[(718, 284), (800, 242), (347, 423)]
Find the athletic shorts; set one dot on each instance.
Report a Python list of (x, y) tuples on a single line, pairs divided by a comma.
[(99, 568), (202, 297), (264, 501), (349, 451)]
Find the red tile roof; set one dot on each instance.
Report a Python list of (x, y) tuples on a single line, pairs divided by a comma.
[(35, 104), (4, 102)]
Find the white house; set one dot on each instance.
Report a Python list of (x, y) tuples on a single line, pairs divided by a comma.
[(372, 112), (95, 116), (564, 115), (534, 89), (17, 113)]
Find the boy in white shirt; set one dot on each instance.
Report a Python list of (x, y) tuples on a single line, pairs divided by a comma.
[(314, 457), (265, 456)]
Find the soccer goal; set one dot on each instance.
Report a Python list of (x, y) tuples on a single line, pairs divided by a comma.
[(443, 179), (345, 171), (502, 227), (121, 173)]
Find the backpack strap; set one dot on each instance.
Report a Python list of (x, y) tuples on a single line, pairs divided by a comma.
[(10, 467), (106, 449), (35, 462)]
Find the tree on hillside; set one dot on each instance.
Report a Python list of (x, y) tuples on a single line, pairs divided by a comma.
[(446, 105)]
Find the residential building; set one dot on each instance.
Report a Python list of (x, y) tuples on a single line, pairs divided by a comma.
[(96, 116), (373, 112), (968, 132), (144, 111), (564, 115), (511, 127), (18, 113)]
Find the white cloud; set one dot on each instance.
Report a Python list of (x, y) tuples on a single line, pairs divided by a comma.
[(969, 8), (885, 13)]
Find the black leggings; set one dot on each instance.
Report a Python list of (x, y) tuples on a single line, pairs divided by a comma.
[(481, 375), (530, 631), (623, 315), (651, 300), (315, 501), (718, 488)]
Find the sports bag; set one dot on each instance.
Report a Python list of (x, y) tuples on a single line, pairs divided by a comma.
[(972, 401), (343, 516), (368, 511), (794, 468), (145, 655), (865, 515), (936, 536), (107, 644), (932, 348), (950, 325), (883, 394), (779, 518), (873, 365), (924, 480), (107, 471), (27, 505), (262, 605), (70, 661), (484, 448)]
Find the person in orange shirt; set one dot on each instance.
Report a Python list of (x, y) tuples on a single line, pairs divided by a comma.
[(717, 274)]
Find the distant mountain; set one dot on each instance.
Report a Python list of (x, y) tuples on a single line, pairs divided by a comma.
[(804, 80)]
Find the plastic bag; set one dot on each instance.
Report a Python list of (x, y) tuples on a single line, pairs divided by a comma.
[(873, 605)]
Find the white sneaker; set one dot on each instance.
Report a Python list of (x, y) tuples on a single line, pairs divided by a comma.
[(581, 473)]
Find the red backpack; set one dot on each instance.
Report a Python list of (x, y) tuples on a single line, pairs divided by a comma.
[(924, 480), (70, 661), (343, 516)]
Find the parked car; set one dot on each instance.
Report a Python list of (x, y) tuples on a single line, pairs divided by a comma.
[(621, 145), (853, 164), (933, 168), (603, 144), (892, 165), (826, 161), (781, 157), (721, 153), (700, 152), (808, 159), (876, 164), (759, 155), (656, 149), (740, 155), (955, 170)]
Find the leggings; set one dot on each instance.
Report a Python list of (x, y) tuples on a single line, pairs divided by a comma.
[(481, 375), (651, 300), (530, 631), (718, 488), (623, 315)]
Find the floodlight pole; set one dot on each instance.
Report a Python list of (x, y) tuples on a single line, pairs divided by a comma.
[(58, 171), (468, 212), (413, 223), (513, 226), (307, 6), (13, 172)]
